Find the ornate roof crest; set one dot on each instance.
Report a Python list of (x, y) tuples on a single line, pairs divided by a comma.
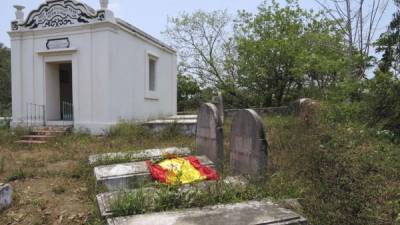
[(59, 13)]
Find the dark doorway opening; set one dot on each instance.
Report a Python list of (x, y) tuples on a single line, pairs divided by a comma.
[(66, 99)]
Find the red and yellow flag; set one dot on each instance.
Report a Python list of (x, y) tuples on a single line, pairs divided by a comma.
[(181, 170)]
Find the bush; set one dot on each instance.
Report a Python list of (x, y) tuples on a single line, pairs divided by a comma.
[(346, 102), (384, 103), (343, 171)]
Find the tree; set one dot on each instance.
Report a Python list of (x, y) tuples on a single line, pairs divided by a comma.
[(389, 45), (5, 80), (282, 51), (189, 93), (205, 47), (359, 21)]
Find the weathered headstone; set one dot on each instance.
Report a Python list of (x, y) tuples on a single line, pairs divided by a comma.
[(5, 196), (248, 145), (209, 134), (219, 102), (306, 109)]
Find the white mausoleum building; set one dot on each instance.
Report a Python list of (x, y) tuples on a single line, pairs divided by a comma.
[(72, 64)]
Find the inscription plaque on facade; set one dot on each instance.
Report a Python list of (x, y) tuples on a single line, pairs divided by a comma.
[(58, 43)]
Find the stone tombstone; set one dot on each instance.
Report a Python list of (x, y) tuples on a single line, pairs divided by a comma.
[(248, 144), (209, 135), (219, 102), (6, 193)]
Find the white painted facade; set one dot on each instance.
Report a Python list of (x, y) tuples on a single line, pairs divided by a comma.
[(107, 59)]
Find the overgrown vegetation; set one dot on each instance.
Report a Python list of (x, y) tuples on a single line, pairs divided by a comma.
[(173, 197), (5, 81), (343, 164), (345, 172), (58, 177)]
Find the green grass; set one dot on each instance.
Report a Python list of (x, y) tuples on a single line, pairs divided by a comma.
[(346, 173), (2, 164), (165, 197), (19, 174), (343, 172)]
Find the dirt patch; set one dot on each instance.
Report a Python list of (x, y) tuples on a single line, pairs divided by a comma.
[(45, 193), (62, 166), (54, 184), (37, 201)]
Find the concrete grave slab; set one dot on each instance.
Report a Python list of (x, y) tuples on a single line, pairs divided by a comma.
[(209, 135), (104, 200), (248, 153), (138, 155), (128, 175), (183, 117), (6, 193), (246, 213)]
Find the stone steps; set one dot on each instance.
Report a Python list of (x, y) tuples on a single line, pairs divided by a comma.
[(245, 213), (129, 175), (40, 135), (30, 142), (48, 132), (37, 137)]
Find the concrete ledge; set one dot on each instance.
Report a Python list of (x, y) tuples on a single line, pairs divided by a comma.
[(129, 175), (138, 155), (187, 124), (246, 213), (186, 127)]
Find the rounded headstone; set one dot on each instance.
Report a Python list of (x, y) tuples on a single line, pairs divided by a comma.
[(209, 134), (248, 145)]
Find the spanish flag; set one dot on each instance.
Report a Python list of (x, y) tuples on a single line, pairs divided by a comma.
[(181, 171)]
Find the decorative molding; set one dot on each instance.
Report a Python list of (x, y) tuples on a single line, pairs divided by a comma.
[(14, 25), (59, 13), (58, 52)]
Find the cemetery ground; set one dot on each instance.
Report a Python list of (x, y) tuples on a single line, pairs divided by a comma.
[(339, 173)]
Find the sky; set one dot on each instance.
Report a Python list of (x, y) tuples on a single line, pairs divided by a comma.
[(151, 15)]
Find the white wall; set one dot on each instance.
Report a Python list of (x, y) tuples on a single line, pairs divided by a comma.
[(108, 75), (52, 91), (128, 82)]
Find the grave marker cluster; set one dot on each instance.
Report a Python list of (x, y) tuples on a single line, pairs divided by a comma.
[(248, 156), (248, 145)]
